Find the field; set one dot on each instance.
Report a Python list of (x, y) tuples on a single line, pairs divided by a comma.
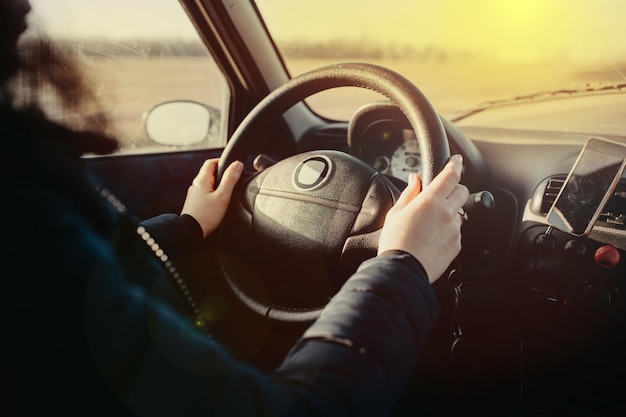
[(456, 87), (128, 87)]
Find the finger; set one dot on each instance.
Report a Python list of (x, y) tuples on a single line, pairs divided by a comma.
[(230, 178), (206, 175), (413, 188), (448, 178), (458, 196)]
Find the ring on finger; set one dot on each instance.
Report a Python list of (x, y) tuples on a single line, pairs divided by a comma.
[(463, 214)]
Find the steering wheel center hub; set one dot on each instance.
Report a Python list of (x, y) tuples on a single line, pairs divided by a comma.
[(312, 173)]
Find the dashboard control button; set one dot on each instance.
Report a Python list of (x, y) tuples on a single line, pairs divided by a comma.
[(546, 243), (597, 297), (607, 257), (574, 250)]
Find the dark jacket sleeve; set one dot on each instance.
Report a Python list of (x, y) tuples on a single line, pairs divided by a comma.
[(358, 354), (178, 235), (96, 337)]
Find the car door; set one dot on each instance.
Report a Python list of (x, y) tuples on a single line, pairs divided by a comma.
[(149, 66)]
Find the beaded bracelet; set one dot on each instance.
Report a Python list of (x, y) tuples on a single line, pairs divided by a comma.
[(178, 281)]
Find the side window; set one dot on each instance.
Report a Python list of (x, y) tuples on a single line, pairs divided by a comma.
[(140, 58)]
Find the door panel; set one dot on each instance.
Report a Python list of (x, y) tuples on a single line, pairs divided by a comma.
[(149, 184)]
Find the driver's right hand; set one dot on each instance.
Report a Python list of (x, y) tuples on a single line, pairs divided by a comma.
[(426, 223)]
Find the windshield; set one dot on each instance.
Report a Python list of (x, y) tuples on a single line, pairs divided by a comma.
[(459, 53)]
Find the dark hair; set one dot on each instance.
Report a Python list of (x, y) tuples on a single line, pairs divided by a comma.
[(48, 119), (50, 83)]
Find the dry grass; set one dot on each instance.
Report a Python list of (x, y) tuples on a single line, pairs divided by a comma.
[(128, 87), (456, 87)]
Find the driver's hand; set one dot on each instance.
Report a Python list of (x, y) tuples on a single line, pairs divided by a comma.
[(206, 205), (426, 223)]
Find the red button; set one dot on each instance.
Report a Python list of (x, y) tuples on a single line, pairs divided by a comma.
[(607, 257)]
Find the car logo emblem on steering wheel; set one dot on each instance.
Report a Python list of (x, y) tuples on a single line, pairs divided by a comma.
[(312, 173)]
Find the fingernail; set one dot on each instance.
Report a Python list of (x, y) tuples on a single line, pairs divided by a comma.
[(238, 167), (411, 179)]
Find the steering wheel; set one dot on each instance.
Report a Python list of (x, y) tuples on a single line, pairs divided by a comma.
[(298, 229)]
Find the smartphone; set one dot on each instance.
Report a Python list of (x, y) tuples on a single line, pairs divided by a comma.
[(588, 186)]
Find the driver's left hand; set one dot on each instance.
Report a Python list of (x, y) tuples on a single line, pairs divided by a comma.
[(203, 203)]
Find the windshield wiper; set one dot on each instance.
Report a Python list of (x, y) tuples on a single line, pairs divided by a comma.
[(593, 87)]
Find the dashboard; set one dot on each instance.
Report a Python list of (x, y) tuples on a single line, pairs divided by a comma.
[(571, 289), (562, 296)]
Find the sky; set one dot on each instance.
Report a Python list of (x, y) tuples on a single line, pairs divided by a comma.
[(93, 18), (523, 30), (526, 30)]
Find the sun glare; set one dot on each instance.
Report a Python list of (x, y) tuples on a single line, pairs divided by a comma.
[(511, 31)]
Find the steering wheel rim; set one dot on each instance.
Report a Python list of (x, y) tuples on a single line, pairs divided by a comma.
[(422, 117)]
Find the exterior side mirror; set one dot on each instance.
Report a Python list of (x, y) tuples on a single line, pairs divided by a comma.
[(178, 123)]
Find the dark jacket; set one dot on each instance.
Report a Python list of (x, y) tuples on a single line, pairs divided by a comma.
[(93, 326)]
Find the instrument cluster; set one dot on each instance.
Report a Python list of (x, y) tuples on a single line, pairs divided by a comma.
[(391, 148)]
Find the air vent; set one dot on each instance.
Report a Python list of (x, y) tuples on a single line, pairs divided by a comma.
[(326, 138), (553, 187), (614, 212)]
